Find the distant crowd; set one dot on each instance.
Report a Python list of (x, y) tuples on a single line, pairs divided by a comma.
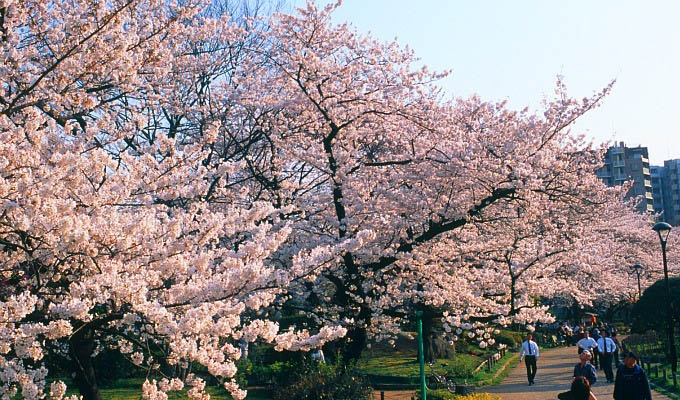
[(598, 348)]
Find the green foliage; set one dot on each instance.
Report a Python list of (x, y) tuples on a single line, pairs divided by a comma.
[(664, 386), (327, 382), (621, 328), (131, 389), (484, 377), (279, 373), (509, 338), (651, 345), (399, 364), (275, 368), (441, 394), (245, 369), (648, 313)]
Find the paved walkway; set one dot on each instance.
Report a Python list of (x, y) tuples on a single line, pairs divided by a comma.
[(555, 368)]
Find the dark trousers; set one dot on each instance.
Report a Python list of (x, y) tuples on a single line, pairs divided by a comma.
[(596, 358), (617, 362), (530, 362), (606, 363)]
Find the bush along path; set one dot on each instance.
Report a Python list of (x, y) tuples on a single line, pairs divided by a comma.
[(555, 368)]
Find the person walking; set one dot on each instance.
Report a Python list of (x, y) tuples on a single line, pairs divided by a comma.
[(631, 381), (530, 353), (585, 368), (586, 343), (606, 347)]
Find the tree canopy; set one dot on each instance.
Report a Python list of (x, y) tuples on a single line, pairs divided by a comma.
[(648, 314), (171, 179)]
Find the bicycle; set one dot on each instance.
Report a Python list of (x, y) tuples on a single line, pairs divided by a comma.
[(437, 381)]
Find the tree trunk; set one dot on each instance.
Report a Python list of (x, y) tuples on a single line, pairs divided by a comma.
[(428, 342), (513, 281), (81, 349), (355, 344)]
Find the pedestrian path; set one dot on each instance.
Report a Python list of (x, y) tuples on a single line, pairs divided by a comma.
[(555, 368)]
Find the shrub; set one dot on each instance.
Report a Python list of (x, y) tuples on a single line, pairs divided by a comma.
[(446, 395), (328, 382), (460, 367), (275, 368), (539, 337), (646, 344), (279, 373), (244, 369), (509, 338), (647, 313)]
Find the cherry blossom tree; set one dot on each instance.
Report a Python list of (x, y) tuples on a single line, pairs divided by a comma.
[(169, 176), (117, 228), (384, 171)]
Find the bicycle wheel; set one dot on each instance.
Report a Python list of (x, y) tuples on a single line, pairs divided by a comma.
[(436, 382)]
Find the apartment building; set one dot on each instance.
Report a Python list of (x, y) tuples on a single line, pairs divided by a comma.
[(670, 191), (657, 174), (621, 164)]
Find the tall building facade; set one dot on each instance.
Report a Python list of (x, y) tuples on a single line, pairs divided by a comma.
[(670, 191), (657, 173), (622, 164)]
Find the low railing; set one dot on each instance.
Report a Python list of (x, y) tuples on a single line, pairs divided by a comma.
[(490, 361)]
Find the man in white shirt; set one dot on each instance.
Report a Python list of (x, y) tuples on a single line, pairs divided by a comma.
[(607, 348), (530, 352), (587, 343)]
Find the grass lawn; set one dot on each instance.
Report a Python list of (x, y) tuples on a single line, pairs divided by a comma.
[(665, 387), (460, 368), (405, 364)]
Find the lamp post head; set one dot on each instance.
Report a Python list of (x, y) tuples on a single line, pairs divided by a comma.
[(638, 267), (663, 229)]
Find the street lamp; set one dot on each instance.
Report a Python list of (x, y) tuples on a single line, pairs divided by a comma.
[(637, 268), (664, 229)]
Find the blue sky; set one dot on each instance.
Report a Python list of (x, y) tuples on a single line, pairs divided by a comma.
[(514, 50)]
